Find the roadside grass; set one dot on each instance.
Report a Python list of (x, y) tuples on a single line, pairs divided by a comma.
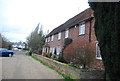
[(67, 78), (27, 54)]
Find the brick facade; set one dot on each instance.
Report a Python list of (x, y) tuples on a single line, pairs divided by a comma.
[(86, 40)]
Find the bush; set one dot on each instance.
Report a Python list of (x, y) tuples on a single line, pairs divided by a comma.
[(25, 48), (74, 66), (53, 56), (50, 55), (60, 59), (79, 54), (47, 56), (30, 53)]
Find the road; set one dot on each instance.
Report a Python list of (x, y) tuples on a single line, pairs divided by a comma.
[(24, 67)]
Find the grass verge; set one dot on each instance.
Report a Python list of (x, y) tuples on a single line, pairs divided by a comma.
[(27, 54), (67, 78)]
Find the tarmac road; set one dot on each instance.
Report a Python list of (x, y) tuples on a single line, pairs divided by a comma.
[(24, 67)]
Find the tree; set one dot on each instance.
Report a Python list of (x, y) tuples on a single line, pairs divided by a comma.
[(107, 30), (4, 43), (36, 40)]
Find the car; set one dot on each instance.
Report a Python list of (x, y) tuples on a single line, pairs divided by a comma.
[(15, 49), (6, 52)]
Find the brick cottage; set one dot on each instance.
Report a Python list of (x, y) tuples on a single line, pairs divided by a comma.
[(80, 29)]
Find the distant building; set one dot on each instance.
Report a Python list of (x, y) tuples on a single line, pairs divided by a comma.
[(80, 29), (18, 45)]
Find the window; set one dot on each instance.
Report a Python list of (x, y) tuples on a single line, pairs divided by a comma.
[(46, 39), (49, 39), (98, 55), (82, 29), (58, 50), (52, 38), (59, 36), (46, 50), (66, 33), (43, 49), (53, 50)]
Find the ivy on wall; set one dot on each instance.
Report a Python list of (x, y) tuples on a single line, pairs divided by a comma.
[(67, 41)]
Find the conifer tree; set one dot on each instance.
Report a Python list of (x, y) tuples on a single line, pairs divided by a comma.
[(107, 30)]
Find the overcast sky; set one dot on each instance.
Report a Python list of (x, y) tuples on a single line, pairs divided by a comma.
[(18, 18)]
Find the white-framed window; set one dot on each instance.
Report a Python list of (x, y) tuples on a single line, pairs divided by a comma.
[(48, 39), (58, 50), (66, 33), (53, 50), (59, 35), (43, 49), (52, 38), (98, 54), (82, 29)]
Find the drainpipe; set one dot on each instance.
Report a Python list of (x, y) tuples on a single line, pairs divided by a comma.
[(90, 30)]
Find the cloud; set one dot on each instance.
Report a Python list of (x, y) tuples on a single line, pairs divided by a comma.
[(22, 16), (15, 37)]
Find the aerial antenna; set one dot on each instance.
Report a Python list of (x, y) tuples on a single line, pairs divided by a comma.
[(47, 31), (78, 10)]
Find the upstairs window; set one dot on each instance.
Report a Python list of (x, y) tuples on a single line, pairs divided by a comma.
[(82, 29), (49, 39), (46, 40), (66, 33), (59, 35), (52, 38), (98, 55)]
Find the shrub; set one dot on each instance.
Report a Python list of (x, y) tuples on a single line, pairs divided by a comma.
[(50, 55), (30, 53), (25, 48), (79, 54), (53, 56), (60, 59), (74, 66), (46, 55)]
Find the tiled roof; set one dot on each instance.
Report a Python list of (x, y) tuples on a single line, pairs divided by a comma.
[(73, 21)]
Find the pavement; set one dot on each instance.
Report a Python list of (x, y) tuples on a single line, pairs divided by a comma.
[(21, 66)]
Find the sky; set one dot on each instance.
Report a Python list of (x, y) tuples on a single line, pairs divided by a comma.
[(18, 18)]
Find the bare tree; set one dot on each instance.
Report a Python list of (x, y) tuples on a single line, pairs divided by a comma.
[(79, 55), (4, 43)]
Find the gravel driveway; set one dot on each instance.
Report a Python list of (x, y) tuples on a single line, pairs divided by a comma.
[(24, 67)]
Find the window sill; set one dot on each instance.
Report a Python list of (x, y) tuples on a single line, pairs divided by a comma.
[(59, 39), (98, 58), (81, 34), (66, 37)]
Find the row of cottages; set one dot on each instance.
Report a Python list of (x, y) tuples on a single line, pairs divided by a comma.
[(80, 29)]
